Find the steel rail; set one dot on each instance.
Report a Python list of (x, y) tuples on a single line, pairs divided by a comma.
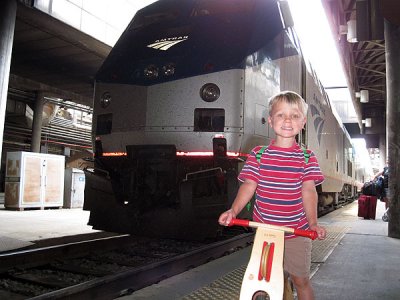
[(111, 286)]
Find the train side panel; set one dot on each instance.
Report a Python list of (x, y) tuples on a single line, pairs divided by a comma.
[(261, 82), (291, 74), (327, 138)]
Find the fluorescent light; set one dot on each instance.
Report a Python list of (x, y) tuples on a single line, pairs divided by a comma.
[(352, 31), (364, 96)]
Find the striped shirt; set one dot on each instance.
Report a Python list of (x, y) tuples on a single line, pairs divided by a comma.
[(279, 177)]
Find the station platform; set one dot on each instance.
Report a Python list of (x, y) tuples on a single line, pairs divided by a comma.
[(30, 227), (357, 260)]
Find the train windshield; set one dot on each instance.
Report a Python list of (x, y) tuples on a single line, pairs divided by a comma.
[(192, 37), (148, 16), (212, 7), (145, 19)]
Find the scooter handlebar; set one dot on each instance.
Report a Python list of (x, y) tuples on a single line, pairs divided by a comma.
[(306, 233), (239, 222), (299, 232)]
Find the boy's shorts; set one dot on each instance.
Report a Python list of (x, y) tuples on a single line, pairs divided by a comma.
[(297, 256)]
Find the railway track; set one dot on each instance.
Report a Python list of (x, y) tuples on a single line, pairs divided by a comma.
[(104, 268)]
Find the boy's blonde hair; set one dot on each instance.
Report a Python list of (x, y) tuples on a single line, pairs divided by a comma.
[(289, 97)]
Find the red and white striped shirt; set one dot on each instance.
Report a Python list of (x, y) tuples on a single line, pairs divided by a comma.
[(279, 177)]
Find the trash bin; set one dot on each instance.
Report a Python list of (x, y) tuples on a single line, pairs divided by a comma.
[(74, 188)]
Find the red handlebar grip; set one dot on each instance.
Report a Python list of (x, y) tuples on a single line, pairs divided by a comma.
[(239, 222), (306, 233)]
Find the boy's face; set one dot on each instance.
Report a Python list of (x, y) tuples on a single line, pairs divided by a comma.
[(286, 120)]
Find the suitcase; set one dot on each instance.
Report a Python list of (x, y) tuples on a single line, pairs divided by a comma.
[(367, 207), (362, 206), (372, 207)]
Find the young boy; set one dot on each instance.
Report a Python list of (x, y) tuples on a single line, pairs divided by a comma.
[(285, 187)]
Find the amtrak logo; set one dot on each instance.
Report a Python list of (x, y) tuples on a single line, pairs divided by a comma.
[(165, 44), (318, 121)]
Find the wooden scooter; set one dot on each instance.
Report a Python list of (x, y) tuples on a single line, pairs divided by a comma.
[(264, 273)]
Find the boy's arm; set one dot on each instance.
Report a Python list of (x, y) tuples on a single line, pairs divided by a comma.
[(310, 204), (244, 195), (379, 174)]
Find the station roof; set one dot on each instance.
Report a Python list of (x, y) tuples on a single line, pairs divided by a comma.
[(51, 56), (364, 60)]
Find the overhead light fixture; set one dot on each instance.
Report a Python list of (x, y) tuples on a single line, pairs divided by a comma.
[(364, 96), (352, 31), (367, 122)]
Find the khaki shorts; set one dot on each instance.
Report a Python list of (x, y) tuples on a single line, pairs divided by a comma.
[(297, 256)]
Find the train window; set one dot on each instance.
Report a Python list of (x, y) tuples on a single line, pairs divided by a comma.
[(212, 7), (104, 124), (209, 119), (349, 168)]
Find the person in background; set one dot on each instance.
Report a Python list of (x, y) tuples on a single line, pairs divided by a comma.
[(385, 174), (284, 184)]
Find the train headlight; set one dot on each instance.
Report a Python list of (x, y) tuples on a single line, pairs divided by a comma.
[(105, 100), (168, 69), (209, 92), (151, 72)]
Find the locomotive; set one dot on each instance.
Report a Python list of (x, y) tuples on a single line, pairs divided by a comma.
[(180, 101)]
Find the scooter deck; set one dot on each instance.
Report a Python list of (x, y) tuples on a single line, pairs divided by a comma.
[(264, 273)]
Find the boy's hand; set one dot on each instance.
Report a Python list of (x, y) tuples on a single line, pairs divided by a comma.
[(226, 217), (320, 231)]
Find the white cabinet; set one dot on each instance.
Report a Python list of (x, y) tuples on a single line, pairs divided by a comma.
[(74, 188), (34, 180)]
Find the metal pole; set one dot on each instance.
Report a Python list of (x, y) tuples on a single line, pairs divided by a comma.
[(8, 12), (37, 123), (392, 41)]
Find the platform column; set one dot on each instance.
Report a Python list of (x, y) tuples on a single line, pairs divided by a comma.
[(37, 122), (392, 41), (8, 12)]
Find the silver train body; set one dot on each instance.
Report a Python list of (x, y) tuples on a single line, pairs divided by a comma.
[(181, 100)]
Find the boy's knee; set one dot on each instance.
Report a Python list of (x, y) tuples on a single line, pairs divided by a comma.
[(300, 282)]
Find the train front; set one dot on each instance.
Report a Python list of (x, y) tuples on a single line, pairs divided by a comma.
[(168, 119)]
